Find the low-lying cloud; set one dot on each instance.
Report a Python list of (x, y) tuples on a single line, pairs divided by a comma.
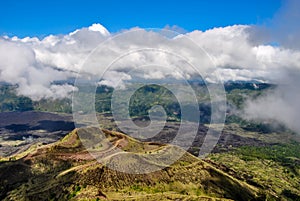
[(35, 64), (240, 52), (282, 104)]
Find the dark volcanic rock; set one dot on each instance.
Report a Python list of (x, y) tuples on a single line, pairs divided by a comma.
[(30, 127)]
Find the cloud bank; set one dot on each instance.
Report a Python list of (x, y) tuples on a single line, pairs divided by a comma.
[(35, 64), (282, 104), (240, 52)]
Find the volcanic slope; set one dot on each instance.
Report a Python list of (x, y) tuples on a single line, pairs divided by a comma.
[(65, 170)]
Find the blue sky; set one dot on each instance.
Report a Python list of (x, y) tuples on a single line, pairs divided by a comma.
[(41, 18)]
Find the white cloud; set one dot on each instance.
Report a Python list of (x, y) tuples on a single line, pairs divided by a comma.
[(281, 105), (99, 28), (35, 64), (235, 56)]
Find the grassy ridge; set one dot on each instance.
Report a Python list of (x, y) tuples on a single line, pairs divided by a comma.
[(65, 171)]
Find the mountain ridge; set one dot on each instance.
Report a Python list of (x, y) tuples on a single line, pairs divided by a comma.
[(64, 170)]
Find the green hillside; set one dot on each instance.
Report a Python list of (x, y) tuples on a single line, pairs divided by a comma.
[(65, 171)]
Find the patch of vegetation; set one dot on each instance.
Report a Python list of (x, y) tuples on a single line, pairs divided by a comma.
[(286, 154), (9, 101), (142, 100), (63, 105), (75, 191), (275, 169)]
